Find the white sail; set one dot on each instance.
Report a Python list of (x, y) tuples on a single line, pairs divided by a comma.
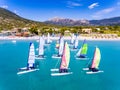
[(72, 39), (61, 46), (43, 37), (31, 58), (48, 38), (78, 54), (76, 42), (41, 46)]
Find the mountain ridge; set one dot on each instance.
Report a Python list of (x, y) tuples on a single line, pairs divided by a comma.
[(72, 22)]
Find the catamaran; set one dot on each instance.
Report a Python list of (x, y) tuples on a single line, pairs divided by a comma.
[(40, 49), (76, 43), (48, 39), (31, 62), (60, 51), (63, 70), (83, 50), (72, 39), (93, 67)]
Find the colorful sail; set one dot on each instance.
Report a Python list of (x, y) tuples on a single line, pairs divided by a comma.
[(61, 46), (65, 58), (96, 58), (84, 48), (41, 46), (31, 58)]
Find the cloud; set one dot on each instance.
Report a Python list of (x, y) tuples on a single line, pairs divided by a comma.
[(73, 4), (103, 12), (4, 6), (93, 5), (16, 12)]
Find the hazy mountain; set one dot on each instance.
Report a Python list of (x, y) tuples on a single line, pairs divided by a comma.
[(108, 21), (71, 22), (67, 22)]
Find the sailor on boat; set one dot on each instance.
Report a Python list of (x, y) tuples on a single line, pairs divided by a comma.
[(31, 65), (93, 69)]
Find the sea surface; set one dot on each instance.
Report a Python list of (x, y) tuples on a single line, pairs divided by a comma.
[(14, 56)]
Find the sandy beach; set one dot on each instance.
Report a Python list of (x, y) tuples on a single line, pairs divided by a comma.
[(55, 38)]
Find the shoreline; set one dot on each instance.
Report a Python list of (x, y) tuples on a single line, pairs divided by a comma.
[(56, 38)]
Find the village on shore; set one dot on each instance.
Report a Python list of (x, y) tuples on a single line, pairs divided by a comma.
[(24, 33)]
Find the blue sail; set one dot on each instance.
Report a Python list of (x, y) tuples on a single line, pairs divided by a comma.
[(31, 58)]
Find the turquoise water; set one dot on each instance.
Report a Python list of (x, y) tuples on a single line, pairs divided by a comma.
[(14, 56)]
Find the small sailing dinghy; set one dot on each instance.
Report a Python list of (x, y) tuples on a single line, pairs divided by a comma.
[(72, 39), (63, 70), (82, 51), (31, 66), (60, 51), (75, 47), (93, 67), (48, 39), (40, 49)]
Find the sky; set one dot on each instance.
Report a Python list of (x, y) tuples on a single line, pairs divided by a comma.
[(42, 10)]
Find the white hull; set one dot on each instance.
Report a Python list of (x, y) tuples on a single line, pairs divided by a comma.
[(61, 74), (36, 57), (55, 69), (27, 71), (85, 69), (39, 58), (14, 41), (82, 58), (90, 72), (55, 56)]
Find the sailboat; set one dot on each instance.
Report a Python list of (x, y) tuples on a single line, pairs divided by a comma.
[(83, 50), (72, 39), (48, 39), (64, 65), (31, 66), (75, 44), (60, 51), (40, 49), (94, 66)]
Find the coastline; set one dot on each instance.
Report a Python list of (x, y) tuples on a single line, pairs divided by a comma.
[(56, 38)]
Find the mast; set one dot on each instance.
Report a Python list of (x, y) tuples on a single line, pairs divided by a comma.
[(65, 58), (96, 58), (31, 57)]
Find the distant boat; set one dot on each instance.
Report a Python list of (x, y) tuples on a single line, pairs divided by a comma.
[(93, 67), (31, 62), (83, 50), (64, 65), (40, 49), (60, 50), (76, 43), (48, 39), (72, 39), (14, 41)]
